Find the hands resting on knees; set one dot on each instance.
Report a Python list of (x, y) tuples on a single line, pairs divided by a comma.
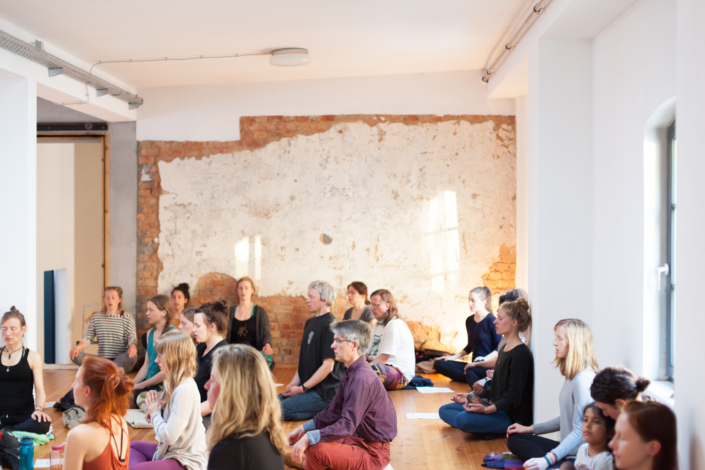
[(298, 442)]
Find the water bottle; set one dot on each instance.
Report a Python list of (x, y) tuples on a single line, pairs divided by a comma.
[(56, 458), (26, 453)]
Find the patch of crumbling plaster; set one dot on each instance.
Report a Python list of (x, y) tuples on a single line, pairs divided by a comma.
[(421, 210)]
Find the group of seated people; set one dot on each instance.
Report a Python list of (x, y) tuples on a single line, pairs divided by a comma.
[(207, 389)]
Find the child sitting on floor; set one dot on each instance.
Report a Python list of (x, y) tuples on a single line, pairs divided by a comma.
[(598, 429)]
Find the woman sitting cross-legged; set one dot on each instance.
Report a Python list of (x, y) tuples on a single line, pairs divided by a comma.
[(645, 437), (160, 314), (511, 395), (482, 340), (360, 310), (614, 387), (249, 322), (181, 437), (115, 330), (20, 375), (102, 441), (210, 327), (391, 349), (575, 359), (246, 431)]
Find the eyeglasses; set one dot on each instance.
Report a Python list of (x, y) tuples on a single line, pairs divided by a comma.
[(380, 304), (340, 341)]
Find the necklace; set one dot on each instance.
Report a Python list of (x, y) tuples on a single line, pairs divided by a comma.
[(9, 354)]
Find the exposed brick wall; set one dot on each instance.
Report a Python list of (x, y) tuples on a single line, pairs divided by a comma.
[(287, 314), (501, 274)]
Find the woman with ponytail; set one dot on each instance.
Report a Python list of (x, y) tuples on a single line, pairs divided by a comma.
[(180, 298), (613, 387), (176, 417), (511, 395), (246, 431), (102, 441), (482, 340)]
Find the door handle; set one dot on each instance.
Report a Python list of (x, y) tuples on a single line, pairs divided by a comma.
[(665, 270)]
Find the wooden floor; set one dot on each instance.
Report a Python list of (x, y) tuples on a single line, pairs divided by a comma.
[(421, 444)]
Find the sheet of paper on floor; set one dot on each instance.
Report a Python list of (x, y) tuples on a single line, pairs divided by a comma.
[(435, 390), (423, 416), (42, 463)]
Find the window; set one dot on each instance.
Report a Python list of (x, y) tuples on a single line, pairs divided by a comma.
[(671, 240)]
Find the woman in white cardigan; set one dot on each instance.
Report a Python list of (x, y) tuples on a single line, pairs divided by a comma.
[(178, 426), (576, 360)]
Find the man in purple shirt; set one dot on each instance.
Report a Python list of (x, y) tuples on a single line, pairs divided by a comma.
[(355, 430)]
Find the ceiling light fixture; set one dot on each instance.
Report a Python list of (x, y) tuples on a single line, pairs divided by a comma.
[(290, 57)]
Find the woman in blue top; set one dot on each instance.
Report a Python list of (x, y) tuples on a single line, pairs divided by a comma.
[(482, 340), (160, 314)]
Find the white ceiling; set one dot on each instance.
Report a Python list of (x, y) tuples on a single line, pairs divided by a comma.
[(344, 38)]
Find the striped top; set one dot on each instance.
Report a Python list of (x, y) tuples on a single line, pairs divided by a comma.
[(114, 333)]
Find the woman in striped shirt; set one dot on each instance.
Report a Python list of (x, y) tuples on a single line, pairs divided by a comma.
[(115, 330)]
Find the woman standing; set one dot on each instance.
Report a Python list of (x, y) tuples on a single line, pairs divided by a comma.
[(482, 340), (511, 395), (246, 432), (102, 441), (160, 313), (20, 375), (575, 358), (115, 330), (391, 350), (181, 437), (249, 322), (357, 296), (180, 298), (210, 328), (613, 387), (645, 438)]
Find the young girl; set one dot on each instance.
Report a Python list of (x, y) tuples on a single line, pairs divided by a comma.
[(482, 340), (178, 427), (598, 429), (160, 313), (102, 441), (210, 328), (115, 330), (249, 323)]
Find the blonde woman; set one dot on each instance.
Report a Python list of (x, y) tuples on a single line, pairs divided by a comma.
[(575, 359), (246, 431), (181, 437)]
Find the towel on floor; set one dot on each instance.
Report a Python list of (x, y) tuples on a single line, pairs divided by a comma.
[(39, 439), (136, 419)]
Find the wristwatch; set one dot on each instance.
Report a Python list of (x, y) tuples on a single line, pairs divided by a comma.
[(305, 388)]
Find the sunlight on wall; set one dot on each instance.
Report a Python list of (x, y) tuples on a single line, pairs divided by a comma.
[(443, 241), (248, 258)]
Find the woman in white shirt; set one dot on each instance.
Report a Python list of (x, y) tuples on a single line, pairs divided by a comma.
[(181, 437), (391, 351)]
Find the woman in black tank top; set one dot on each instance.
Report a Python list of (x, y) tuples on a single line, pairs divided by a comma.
[(20, 374)]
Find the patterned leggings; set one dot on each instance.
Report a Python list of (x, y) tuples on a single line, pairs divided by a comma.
[(391, 377)]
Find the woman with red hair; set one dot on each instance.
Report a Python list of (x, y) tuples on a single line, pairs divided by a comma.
[(101, 442)]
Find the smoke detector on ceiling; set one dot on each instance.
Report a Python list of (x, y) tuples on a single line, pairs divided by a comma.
[(290, 57)]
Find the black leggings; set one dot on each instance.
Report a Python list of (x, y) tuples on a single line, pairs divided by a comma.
[(531, 446), (28, 424)]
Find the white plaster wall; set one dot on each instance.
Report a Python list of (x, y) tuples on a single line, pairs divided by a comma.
[(634, 64), (421, 210), (212, 112), (690, 256), (55, 226)]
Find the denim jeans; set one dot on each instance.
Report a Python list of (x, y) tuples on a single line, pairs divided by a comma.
[(302, 407), (493, 423), (454, 370)]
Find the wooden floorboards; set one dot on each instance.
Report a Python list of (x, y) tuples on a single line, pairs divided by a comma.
[(420, 444)]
